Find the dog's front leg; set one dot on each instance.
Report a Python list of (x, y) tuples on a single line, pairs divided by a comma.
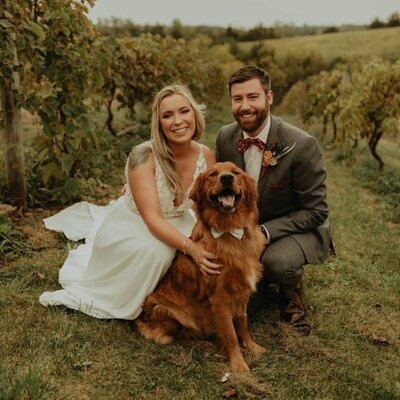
[(227, 335), (243, 333)]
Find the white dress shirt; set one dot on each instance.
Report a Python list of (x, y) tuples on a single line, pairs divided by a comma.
[(253, 159), (253, 155)]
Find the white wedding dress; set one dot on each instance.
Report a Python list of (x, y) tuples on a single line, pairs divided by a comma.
[(120, 262)]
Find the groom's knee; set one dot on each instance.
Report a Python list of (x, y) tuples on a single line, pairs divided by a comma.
[(283, 262)]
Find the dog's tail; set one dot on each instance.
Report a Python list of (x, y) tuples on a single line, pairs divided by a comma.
[(160, 333)]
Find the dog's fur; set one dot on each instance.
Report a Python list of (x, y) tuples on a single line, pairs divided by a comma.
[(187, 302)]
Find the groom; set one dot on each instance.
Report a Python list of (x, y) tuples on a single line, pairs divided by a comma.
[(287, 164)]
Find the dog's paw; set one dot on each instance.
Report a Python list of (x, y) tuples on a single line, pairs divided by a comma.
[(255, 348), (239, 365)]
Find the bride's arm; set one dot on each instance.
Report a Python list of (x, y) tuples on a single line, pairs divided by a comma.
[(141, 175)]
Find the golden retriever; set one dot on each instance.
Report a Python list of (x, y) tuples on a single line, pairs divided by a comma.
[(188, 303)]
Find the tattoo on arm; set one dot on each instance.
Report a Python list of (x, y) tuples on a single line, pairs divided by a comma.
[(139, 156)]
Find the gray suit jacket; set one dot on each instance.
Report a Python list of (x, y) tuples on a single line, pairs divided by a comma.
[(292, 194)]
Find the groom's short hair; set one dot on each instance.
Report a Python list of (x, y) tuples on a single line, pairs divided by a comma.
[(248, 72)]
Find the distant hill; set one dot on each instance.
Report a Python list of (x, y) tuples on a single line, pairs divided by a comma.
[(384, 43)]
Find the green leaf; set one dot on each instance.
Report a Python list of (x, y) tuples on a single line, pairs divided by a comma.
[(94, 138), (50, 170), (76, 141), (46, 91), (65, 31), (37, 30), (71, 187), (5, 23), (41, 156), (5, 229), (66, 163), (98, 80), (92, 184), (41, 142)]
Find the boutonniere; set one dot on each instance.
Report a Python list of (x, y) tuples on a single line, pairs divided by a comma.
[(272, 155)]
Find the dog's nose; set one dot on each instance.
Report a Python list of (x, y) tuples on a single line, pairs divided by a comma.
[(226, 179)]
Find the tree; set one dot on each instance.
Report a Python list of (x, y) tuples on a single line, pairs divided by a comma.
[(17, 31), (14, 155), (176, 30), (363, 99), (394, 20), (372, 102), (134, 69), (324, 99), (259, 32), (52, 43), (376, 24), (61, 82), (330, 29)]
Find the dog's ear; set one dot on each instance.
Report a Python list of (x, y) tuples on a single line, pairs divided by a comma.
[(251, 189), (197, 189)]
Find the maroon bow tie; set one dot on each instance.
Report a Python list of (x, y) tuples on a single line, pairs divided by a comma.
[(244, 144)]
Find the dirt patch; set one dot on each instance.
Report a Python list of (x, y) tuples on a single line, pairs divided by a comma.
[(31, 225)]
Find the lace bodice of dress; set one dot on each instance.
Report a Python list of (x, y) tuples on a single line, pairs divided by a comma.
[(165, 196)]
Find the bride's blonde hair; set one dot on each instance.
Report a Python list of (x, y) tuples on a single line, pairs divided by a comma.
[(161, 150)]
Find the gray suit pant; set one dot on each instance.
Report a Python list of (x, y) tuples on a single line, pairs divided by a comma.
[(283, 262)]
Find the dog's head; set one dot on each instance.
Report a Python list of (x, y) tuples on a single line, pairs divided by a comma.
[(226, 189)]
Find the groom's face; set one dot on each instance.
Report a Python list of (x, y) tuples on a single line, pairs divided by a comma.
[(250, 105)]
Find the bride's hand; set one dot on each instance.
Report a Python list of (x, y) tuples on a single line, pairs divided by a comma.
[(123, 190), (203, 259)]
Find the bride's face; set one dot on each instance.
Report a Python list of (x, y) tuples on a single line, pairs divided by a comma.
[(177, 119)]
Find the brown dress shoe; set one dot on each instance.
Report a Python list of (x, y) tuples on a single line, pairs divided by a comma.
[(293, 309)]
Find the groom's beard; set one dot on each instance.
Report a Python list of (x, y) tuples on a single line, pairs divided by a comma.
[(251, 125)]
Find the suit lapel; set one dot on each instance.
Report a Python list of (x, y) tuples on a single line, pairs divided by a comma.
[(238, 158), (272, 137), (273, 132)]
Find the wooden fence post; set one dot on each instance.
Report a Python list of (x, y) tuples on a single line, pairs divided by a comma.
[(14, 150)]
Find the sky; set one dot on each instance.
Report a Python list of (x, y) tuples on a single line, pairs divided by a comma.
[(246, 13)]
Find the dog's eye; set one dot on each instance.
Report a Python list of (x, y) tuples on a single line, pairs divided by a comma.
[(213, 174), (236, 172)]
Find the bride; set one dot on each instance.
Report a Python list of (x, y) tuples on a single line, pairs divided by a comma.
[(130, 243)]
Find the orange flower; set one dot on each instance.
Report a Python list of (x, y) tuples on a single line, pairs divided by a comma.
[(266, 158), (271, 157)]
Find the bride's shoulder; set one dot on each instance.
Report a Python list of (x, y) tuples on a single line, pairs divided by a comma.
[(144, 146), (140, 154), (209, 156)]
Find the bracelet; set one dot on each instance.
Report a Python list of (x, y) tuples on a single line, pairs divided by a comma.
[(265, 233), (184, 245)]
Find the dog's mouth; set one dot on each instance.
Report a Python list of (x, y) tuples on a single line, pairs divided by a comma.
[(227, 200)]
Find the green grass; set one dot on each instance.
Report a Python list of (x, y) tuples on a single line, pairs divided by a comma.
[(353, 304), (341, 45), (390, 148), (12, 241)]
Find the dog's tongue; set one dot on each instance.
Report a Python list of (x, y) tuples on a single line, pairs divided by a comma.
[(227, 201)]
